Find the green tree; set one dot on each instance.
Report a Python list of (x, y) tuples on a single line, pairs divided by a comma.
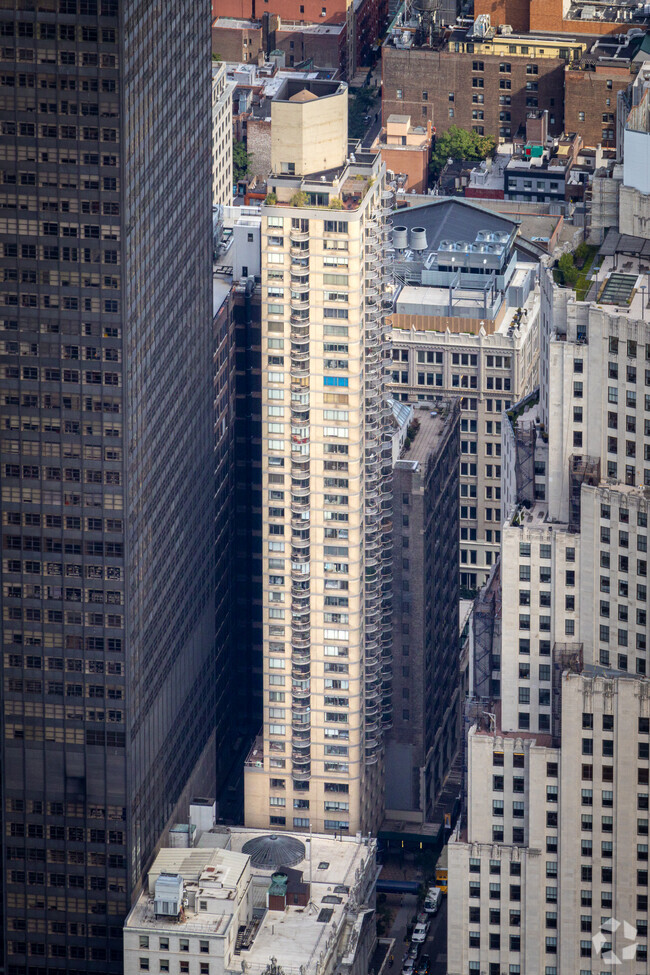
[(569, 271), (240, 160), (457, 143)]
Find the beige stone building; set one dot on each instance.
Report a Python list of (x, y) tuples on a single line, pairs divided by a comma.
[(466, 324), (558, 773), (222, 164), (317, 764)]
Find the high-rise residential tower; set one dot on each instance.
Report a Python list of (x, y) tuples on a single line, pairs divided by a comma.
[(326, 460), (107, 458)]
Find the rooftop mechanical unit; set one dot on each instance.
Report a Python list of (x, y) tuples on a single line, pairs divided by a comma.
[(168, 895)]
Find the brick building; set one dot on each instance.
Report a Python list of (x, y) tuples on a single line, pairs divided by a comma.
[(591, 87), (558, 16), (251, 41), (454, 81), (312, 24), (239, 41), (406, 149)]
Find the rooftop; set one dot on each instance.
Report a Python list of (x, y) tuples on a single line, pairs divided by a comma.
[(452, 219), (622, 283), (432, 430), (625, 11), (215, 873)]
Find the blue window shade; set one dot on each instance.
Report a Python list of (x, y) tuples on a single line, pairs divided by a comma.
[(335, 380)]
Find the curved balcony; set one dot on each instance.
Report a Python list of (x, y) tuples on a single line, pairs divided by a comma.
[(371, 709), (300, 669), (301, 687), (301, 558), (301, 656), (299, 505), (300, 626), (300, 772), (300, 490), (297, 358), (299, 282), (372, 727), (299, 252), (299, 302), (300, 333), (301, 738), (372, 668), (301, 752), (299, 263), (298, 235)]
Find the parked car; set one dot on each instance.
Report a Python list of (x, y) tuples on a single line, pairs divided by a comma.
[(422, 918), (408, 966), (423, 965), (419, 933), (413, 952), (433, 900)]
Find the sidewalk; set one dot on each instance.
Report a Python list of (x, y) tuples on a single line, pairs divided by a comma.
[(407, 907)]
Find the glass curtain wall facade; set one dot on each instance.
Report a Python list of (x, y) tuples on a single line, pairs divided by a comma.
[(107, 458)]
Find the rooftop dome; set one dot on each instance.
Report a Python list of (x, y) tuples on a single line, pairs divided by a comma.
[(304, 96), (274, 851)]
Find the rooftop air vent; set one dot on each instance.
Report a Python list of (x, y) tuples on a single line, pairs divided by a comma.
[(419, 239), (400, 239)]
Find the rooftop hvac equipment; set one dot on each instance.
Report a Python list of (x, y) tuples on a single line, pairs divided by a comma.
[(168, 895), (400, 238), (419, 239), (481, 25)]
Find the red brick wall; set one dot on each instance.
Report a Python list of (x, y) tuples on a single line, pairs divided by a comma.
[(546, 15), (589, 92), (368, 29), (513, 12), (414, 162), (308, 10), (439, 73)]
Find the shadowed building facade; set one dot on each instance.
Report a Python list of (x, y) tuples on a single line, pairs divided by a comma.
[(110, 675)]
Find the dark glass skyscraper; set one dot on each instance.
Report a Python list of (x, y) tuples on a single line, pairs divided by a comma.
[(107, 457)]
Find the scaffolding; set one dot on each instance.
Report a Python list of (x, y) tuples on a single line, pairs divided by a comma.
[(566, 657), (582, 470)]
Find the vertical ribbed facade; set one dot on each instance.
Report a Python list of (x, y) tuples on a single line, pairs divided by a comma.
[(107, 458)]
